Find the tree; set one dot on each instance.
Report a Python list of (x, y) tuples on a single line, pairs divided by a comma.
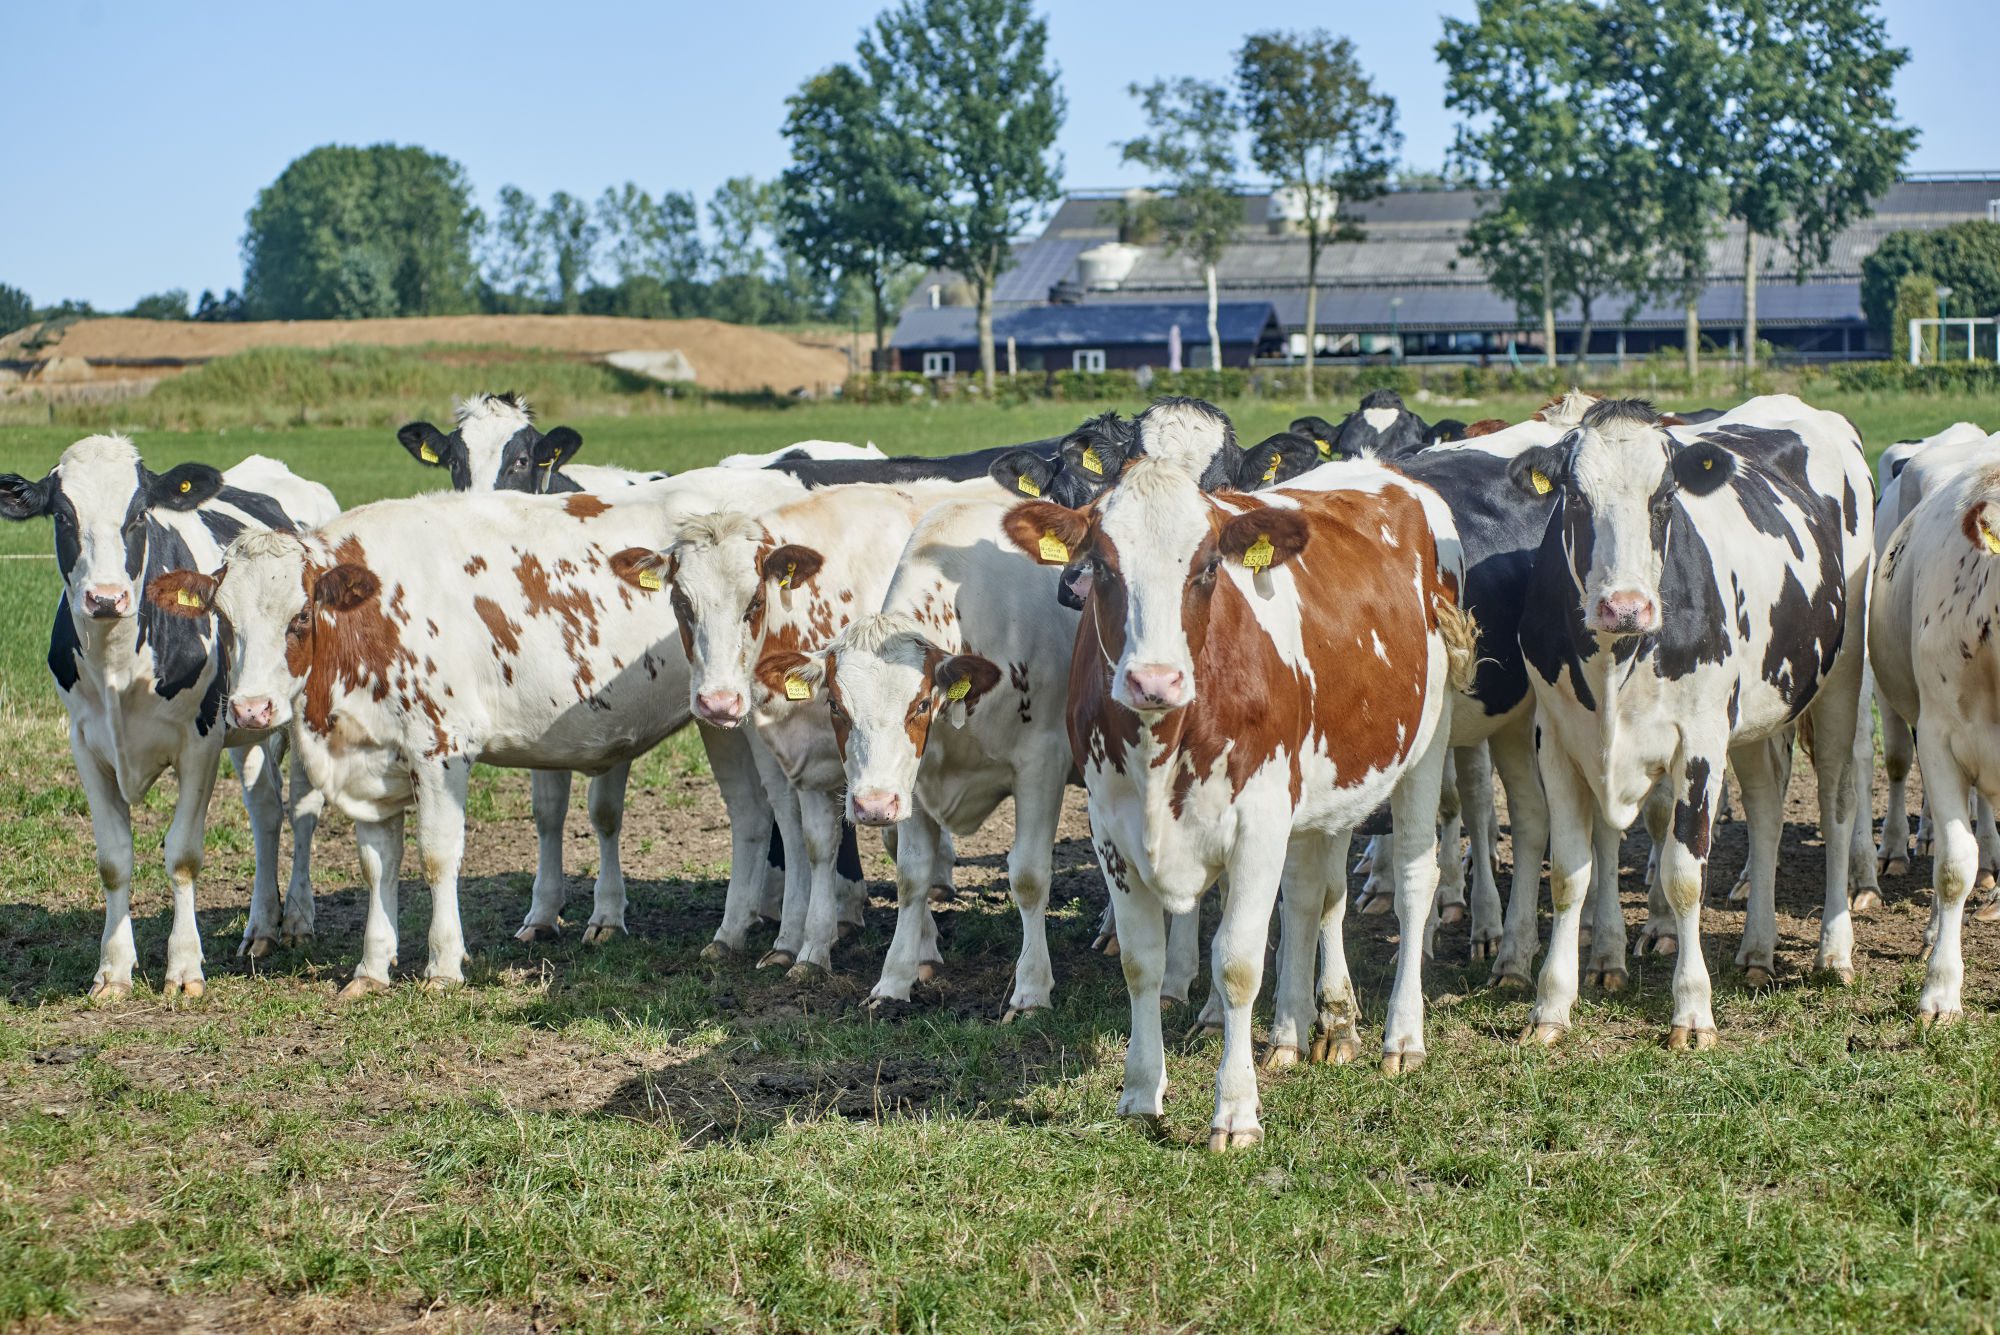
[(571, 238), (1964, 257), (1811, 123), (17, 309), (1192, 148), (850, 208), (344, 232), (226, 309), (516, 252), (1318, 128), (741, 214), (971, 91), (1916, 298), (169, 305)]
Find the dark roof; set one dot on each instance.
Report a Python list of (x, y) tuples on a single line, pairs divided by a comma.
[(1097, 324)]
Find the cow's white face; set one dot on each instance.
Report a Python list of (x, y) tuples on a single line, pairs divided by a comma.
[(262, 598), (494, 446), (719, 597), (1154, 535), (1616, 505)]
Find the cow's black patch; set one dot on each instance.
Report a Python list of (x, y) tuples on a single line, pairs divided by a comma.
[(264, 509), (211, 699), (1357, 436), (223, 528), (180, 645), (64, 648), (1691, 812), (182, 487), (1799, 625), (1694, 625), (1553, 635), (815, 473)]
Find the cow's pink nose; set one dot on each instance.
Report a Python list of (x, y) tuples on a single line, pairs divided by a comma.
[(1157, 687), (107, 600), (1626, 613), (256, 712), (877, 806), (724, 708)]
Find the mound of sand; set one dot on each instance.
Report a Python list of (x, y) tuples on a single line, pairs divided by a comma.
[(727, 357)]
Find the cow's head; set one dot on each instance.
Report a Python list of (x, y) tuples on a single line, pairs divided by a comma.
[(100, 495), (1620, 477), (1192, 433), (1317, 430), (1380, 428), (886, 686), (1156, 547), (494, 446)]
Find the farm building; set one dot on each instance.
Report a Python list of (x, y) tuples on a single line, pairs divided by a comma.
[(1095, 336), (1405, 286)]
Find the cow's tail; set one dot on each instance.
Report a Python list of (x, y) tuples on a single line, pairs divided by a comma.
[(1461, 643)]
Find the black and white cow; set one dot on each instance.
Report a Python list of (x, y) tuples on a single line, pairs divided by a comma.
[(1381, 428), (146, 691), (1698, 590)]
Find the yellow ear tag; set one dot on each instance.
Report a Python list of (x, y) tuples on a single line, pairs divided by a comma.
[(1271, 473), (426, 453), (1987, 536), (798, 688), (186, 599), (1054, 549), (649, 579), (1092, 461), (959, 689), (1259, 554), (1542, 484), (1707, 464), (791, 568), (1027, 485), (549, 462), (186, 487), (1325, 448)]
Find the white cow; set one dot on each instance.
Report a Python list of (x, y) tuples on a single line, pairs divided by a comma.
[(805, 449)]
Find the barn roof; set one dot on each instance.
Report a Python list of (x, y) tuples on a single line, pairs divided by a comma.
[(1096, 324)]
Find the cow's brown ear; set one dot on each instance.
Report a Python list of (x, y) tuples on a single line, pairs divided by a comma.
[(183, 593), (965, 677), (643, 568), (345, 587), (1263, 539), (1982, 528), (792, 565), (790, 675), (1050, 533)]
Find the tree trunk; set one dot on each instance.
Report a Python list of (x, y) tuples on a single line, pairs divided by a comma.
[(1312, 304), (1749, 299), (1691, 353), (1214, 329), (1583, 342), (986, 334), (875, 288), (1548, 314)]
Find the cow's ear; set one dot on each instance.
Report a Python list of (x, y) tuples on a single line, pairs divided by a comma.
[(184, 593), (1702, 467), (183, 487), (643, 568), (1263, 539), (557, 448), (1982, 528), (345, 587), (1050, 533), (426, 444), (1099, 455), (1539, 471), (965, 677), (1277, 460), (792, 565), (1024, 473), (22, 499), (790, 675)]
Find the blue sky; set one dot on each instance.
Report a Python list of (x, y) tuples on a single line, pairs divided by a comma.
[(143, 131)]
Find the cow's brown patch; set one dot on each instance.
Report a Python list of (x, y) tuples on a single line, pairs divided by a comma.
[(583, 505), (1485, 426), (572, 607), (475, 565), (506, 634), (348, 642)]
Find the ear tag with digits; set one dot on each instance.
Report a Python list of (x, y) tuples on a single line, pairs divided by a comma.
[(1325, 448), (649, 579), (959, 689), (426, 453), (1027, 486), (1259, 554), (1054, 549), (1271, 473), (186, 599), (1091, 460), (1990, 539), (1541, 482), (798, 688), (791, 568)]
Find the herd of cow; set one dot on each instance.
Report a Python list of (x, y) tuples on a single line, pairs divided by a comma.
[(1245, 656)]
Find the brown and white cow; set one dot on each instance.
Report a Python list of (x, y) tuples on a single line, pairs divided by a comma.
[(1252, 678)]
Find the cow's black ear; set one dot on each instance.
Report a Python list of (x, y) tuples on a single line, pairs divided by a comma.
[(1098, 455), (1276, 461), (557, 448), (22, 499), (1539, 471), (1024, 473), (183, 487), (426, 444), (1702, 467)]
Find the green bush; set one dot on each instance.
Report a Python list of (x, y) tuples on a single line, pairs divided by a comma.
[(1916, 299), (1896, 377)]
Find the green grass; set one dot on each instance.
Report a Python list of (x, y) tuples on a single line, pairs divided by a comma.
[(617, 1137)]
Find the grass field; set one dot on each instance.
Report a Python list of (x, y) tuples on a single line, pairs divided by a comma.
[(601, 1139)]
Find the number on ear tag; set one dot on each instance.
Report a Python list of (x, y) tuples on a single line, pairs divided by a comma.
[(959, 689), (1325, 448), (1541, 482), (1988, 537), (1259, 554), (1092, 461), (426, 453), (1271, 473), (1054, 549), (649, 579), (1027, 485), (186, 599), (798, 688)]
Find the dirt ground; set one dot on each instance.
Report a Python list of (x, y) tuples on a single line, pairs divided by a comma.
[(727, 357)]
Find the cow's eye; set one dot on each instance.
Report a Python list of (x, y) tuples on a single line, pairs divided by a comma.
[(1207, 575), (833, 708), (300, 624)]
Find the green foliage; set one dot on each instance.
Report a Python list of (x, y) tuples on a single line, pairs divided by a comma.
[(168, 305), (648, 238), (1964, 257), (17, 309), (1192, 150), (1916, 299), (211, 309), (353, 232), (516, 252), (1932, 378), (570, 236)]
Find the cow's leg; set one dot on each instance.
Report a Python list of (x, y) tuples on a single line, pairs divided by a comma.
[(1183, 955), (1956, 869), (1106, 939), (820, 821), (111, 826), (1862, 870), (196, 771), (750, 835), (1412, 810), (909, 950), (1378, 890), (307, 803), (1606, 968), (1339, 1037), (440, 794), (1763, 810), (1989, 842), (851, 882), (1236, 969), (548, 793), (1834, 714), (1475, 799), (1450, 897), (1301, 905), (1899, 749), (264, 803), (1038, 794), (1658, 935), (944, 883), (380, 844), (607, 819), (1697, 787), (1370, 848), (1142, 954), (1572, 816), (784, 801), (1209, 1021), (1513, 750)]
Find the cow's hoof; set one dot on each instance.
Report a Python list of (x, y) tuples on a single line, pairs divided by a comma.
[(845, 930), (190, 988), (358, 988), (1021, 1013), (1893, 866), (1865, 901), (256, 948), (1202, 1029), (1843, 972), (440, 983), (1511, 979), (1611, 980), (600, 932), (1335, 1051), (1221, 1138), (1402, 1063), (1108, 943), (1364, 866), (298, 940), (927, 971), (1989, 911), (1681, 1038), (1583, 938), (1451, 913), (776, 959), (715, 952), (1483, 950), (1372, 904), (803, 972), (1548, 1035), (538, 931), (940, 893), (1986, 879), (1740, 892), (109, 994), (1658, 943), (1756, 977), (1282, 1057), (1936, 1019)]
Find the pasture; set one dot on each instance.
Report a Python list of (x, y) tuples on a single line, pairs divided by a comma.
[(601, 1138)]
